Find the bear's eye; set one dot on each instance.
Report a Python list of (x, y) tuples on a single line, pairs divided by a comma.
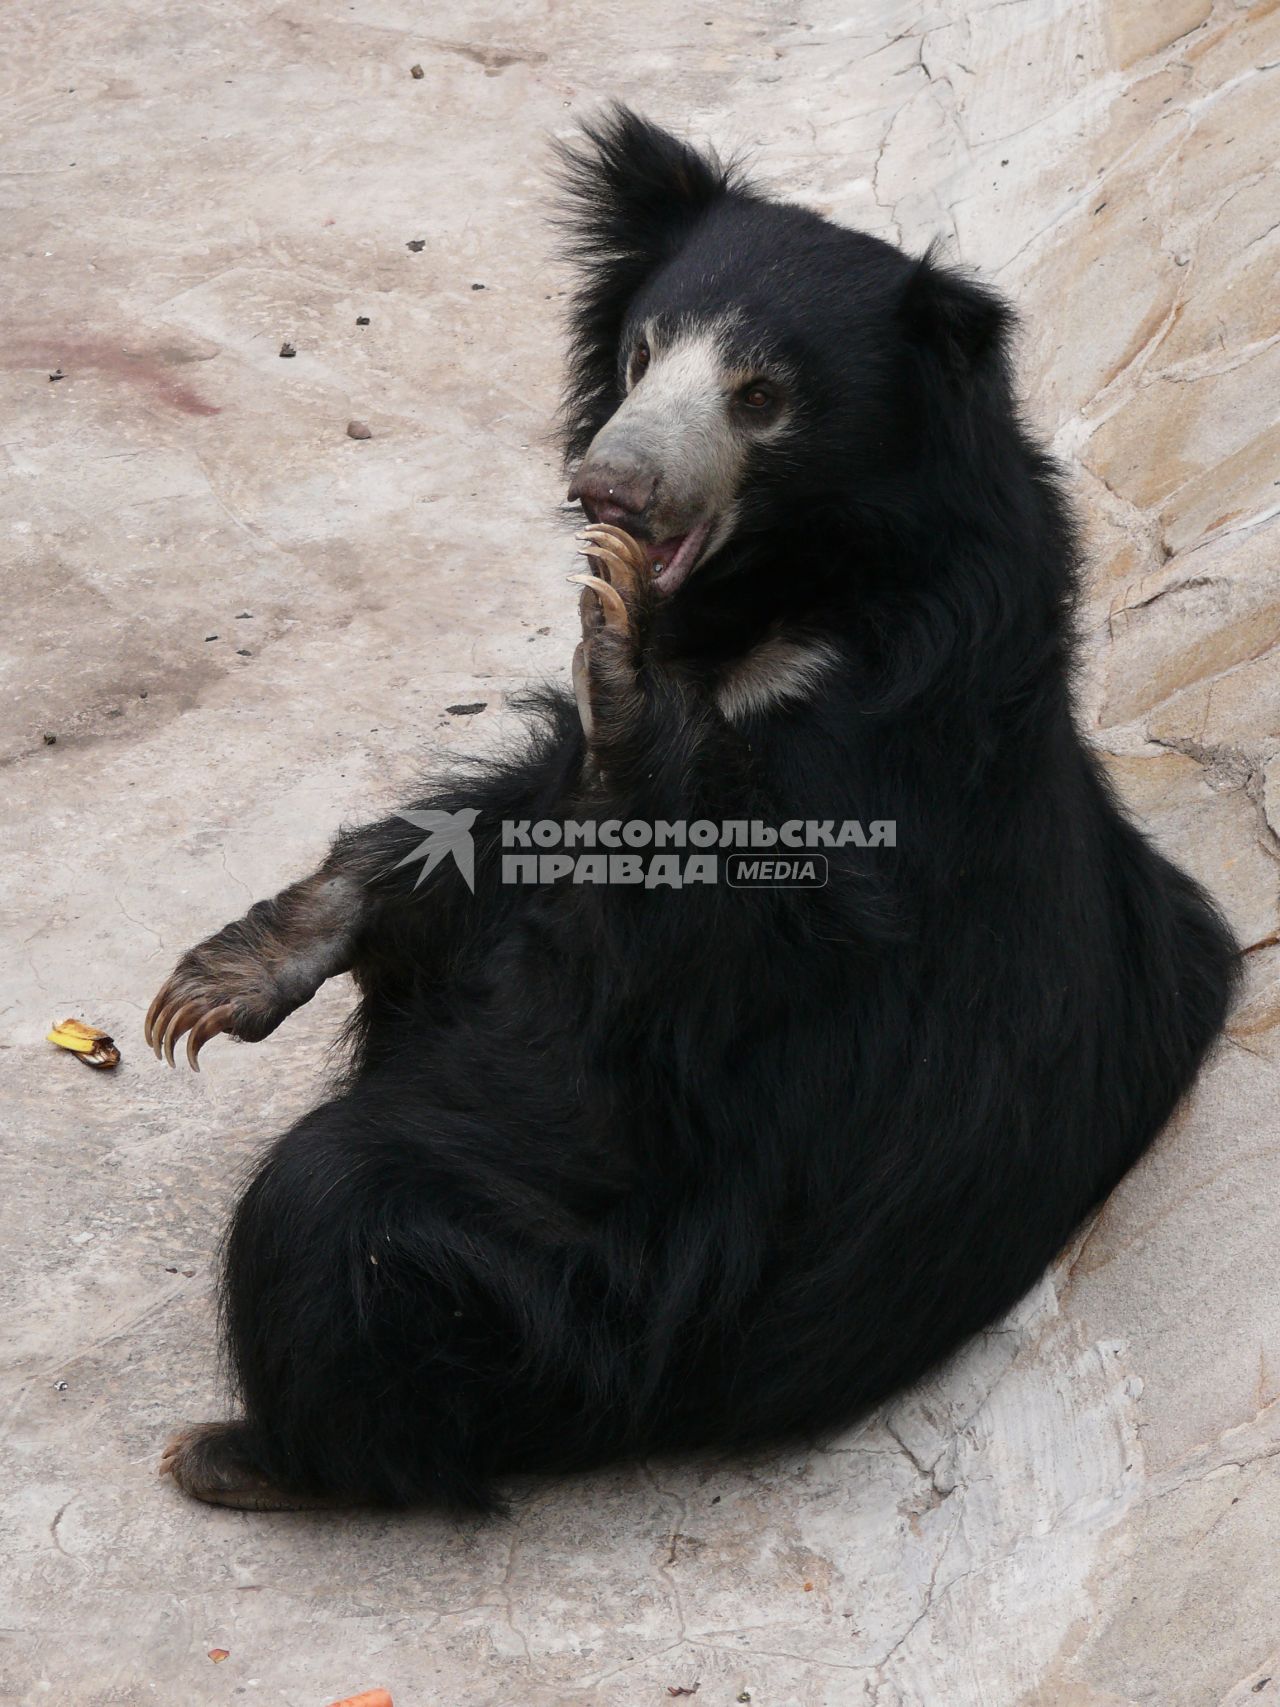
[(757, 396), (639, 361)]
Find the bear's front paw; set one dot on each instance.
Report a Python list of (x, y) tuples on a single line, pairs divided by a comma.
[(615, 608), (224, 984)]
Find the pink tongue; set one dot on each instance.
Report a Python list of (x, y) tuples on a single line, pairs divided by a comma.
[(665, 550), (677, 556)]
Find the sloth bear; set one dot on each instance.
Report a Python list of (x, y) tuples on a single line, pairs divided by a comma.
[(647, 1166)]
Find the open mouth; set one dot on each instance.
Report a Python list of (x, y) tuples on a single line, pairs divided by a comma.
[(672, 559)]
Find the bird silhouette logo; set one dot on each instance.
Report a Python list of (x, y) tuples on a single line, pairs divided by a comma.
[(447, 833)]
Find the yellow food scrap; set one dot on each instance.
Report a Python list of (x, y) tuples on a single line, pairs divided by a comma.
[(95, 1048)]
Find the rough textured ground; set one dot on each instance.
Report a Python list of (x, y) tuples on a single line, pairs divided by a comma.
[(243, 626)]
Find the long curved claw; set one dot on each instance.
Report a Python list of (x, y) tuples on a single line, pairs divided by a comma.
[(625, 544), (611, 606), (620, 573), (212, 1023), (164, 1005), (153, 1013), (183, 1017), (582, 690), (622, 559)]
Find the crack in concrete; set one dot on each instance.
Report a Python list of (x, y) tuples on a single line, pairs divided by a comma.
[(57, 1541), (928, 1472), (926, 1609), (664, 1570)]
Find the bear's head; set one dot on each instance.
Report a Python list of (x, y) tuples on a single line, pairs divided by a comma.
[(742, 368)]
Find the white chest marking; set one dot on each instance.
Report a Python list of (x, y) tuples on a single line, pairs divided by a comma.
[(776, 672)]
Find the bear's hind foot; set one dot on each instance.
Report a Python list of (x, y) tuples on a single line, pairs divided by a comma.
[(215, 1462)]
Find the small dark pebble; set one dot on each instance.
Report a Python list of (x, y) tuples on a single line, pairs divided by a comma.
[(287, 350), (416, 71), (417, 244), (466, 710), (244, 616), (142, 693), (57, 374), (1004, 162), (59, 1386), (477, 287), (243, 652), (209, 637), (362, 319), (50, 740)]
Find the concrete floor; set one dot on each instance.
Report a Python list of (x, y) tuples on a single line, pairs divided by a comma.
[(243, 627)]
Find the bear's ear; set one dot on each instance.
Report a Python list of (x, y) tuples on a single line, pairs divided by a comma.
[(631, 194), (631, 187), (963, 322)]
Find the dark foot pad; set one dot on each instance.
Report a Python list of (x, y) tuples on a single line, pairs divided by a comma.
[(215, 1462)]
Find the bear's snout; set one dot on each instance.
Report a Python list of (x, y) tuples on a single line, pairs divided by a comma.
[(616, 493)]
